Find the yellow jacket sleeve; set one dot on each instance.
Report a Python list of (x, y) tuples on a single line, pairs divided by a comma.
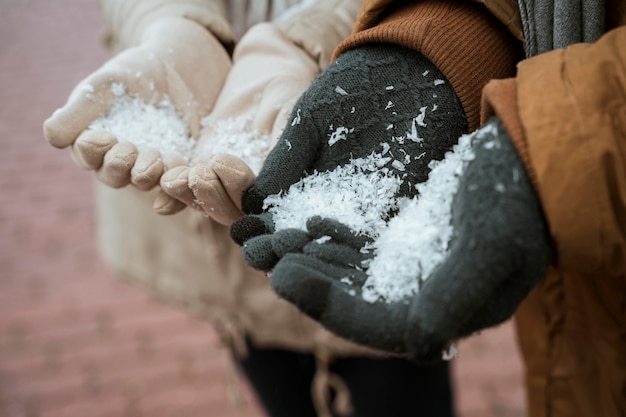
[(571, 132)]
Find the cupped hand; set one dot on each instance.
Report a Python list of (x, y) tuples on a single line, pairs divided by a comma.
[(269, 73), (358, 141), (139, 114), (382, 294)]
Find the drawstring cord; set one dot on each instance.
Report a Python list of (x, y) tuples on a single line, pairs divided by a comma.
[(324, 384)]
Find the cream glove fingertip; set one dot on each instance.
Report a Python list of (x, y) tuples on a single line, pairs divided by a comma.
[(89, 149), (234, 174), (148, 169), (212, 196), (175, 183), (117, 164), (166, 205), (59, 128)]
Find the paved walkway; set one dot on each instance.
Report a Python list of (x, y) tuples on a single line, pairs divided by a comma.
[(75, 341)]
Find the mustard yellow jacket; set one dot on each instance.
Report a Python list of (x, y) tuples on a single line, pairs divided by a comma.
[(566, 112)]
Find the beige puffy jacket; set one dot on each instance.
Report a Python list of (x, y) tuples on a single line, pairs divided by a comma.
[(188, 259)]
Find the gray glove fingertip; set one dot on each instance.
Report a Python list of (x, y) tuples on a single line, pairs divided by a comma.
[(259, 253), (250, 226), (320, 227), (289, 241), (252, 200)]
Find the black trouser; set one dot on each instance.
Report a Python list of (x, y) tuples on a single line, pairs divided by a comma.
[(385, 387)]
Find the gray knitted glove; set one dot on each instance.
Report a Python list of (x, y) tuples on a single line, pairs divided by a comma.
[(498, 250), (381, 104)]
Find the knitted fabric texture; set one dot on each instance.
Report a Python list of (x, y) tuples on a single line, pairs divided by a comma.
[(462, 38), (500, 250), (369, 96)]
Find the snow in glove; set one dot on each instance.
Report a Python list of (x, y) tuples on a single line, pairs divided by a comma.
[(138, 115), (357, 143), (457, 259), (268, 75)]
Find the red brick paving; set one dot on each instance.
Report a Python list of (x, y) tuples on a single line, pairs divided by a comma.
[(75, 341)]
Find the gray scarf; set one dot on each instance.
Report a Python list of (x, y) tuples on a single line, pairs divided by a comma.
[(553, 24)]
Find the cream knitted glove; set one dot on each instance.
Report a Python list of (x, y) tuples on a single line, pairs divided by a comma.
[(269, 74), (176, 60)]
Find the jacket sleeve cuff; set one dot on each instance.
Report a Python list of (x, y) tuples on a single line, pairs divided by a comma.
[(319, 28), (461, 38), (500, 99), (571, 105)]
